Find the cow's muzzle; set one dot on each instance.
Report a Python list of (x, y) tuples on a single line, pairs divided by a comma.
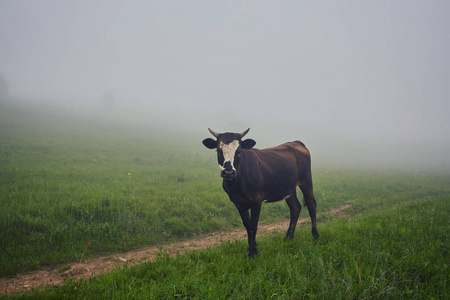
[(228, 174)]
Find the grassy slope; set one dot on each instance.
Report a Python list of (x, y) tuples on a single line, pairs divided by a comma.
[(66, 182), (396, 252)]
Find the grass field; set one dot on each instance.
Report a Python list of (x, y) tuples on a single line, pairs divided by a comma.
[(399, 252), (66, 182)]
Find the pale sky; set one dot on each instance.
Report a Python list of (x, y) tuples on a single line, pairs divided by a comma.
[(364, 68)]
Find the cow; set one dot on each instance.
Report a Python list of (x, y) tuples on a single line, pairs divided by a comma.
[(252, 177)]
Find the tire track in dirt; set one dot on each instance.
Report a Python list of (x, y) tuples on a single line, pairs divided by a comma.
[(95, 266)]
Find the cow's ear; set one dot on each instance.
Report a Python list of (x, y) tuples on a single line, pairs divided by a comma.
[(210, 143), (248, 144)]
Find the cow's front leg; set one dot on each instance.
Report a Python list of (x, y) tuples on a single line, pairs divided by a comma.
[(251, 225), (245, 216), (253, 228)]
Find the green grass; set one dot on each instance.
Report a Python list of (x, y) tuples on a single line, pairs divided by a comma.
[(71, 181), (61, 188), (400, 252)]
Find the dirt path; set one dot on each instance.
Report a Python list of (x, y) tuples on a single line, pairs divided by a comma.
[(94, 266)]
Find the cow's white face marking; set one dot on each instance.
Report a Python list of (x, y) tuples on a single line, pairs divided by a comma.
[(229, 150)]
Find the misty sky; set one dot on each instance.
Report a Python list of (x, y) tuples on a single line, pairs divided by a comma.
[(367, 68)]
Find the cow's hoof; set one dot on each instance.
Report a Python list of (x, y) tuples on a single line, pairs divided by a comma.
[(315, 233), (288, 238), (252, 253)]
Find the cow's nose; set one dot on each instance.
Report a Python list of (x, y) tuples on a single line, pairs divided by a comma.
[(228, 174)]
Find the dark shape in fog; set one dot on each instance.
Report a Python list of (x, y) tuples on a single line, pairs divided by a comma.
[(252, 177)]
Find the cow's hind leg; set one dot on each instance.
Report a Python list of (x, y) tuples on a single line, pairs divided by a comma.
[(295, 208), (310, 202), (312, 213)]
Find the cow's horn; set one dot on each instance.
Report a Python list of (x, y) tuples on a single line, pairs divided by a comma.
[(213, 133), (244, 133)]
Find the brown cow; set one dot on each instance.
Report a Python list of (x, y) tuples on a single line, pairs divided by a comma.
[(252, 177)]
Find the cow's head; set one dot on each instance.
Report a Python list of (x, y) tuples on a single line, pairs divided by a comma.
[(228, 146)]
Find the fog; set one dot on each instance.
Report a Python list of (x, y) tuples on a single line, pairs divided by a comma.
[(359, 82)]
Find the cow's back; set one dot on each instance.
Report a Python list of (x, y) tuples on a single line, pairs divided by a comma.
[(274, 173), (295, 153)]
